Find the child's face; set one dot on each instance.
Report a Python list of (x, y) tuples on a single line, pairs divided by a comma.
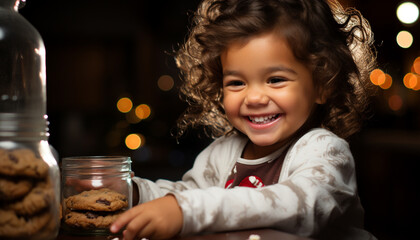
[(268, 94)]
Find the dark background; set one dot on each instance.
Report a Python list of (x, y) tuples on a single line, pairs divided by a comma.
[(101, 50)]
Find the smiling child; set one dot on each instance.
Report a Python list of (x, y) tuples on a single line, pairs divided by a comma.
[(280, 85)]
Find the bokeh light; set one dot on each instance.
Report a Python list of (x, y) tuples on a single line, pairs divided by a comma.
[(377, 77), (417, 87), (412, 81), (134, 141), (395, 102), (387, 83), (404, 39), (416, 65), (165, 83), (408, 12), (124, 104), (143, 111)]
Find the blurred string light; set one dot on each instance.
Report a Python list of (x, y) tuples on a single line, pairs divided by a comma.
[(388, 82), (412, 79), (134, 141), (133, 115), (404, 39), (143, 111), (124, 105), (395, 102), (165, 83), (416, 66), (381, 79), (377, 77), (408, 12)]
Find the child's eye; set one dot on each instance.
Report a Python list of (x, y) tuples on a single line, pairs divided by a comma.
[(275, 80), (234, 83)]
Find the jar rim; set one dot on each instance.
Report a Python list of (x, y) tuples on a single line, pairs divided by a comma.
[(98, 157), (96, 162)]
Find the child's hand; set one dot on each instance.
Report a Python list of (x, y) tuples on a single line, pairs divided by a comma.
[(158, 219)]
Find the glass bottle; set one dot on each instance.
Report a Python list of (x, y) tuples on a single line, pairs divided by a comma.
[(97, 189), (29, 173)]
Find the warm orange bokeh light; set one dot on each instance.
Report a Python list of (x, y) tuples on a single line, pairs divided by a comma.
[(165, 83), (395, 102), (377, 77), (387, 83), (133, 141), (411, 80), (416, 65), (143, 111), (124, 105), (416, 87)]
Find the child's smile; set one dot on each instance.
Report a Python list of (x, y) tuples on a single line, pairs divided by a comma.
[(267, 94), (263, 121)]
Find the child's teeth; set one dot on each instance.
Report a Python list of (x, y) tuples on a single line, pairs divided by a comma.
[(265, 119)]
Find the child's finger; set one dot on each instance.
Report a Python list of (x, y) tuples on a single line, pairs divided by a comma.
[(123, 219), (137, 228), (149, 231)]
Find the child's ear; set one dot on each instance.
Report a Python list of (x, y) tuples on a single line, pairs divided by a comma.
[(322, 96), (320, 100)]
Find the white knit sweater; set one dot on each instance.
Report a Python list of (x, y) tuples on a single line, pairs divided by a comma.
[(316, 192)]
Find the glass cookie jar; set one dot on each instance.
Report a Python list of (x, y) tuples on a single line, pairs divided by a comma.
[(29, 173), (95, 191)]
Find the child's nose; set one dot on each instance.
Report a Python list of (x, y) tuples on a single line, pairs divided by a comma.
[(256, 96)]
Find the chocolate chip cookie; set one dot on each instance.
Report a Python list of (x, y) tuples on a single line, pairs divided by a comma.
[(39, 198), (27, 196), (22, 162), (13, 188), (90, 219), (14, 226), (103, 199)]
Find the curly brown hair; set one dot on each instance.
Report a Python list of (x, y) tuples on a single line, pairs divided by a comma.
[(336, 43)]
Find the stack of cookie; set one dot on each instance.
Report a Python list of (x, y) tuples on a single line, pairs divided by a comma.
[(26, 194), (94, 209)]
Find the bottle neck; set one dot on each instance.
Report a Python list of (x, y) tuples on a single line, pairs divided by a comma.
[(23, 127)]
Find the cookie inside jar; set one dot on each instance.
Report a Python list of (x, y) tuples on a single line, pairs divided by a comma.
[(28, 199), (95, 191)]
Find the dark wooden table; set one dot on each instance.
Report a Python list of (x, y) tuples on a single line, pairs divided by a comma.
[(265, 234)]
